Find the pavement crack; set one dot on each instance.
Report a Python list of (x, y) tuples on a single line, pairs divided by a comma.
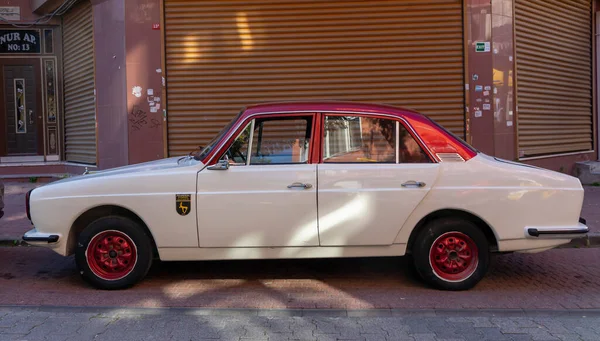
[(363, 327), (35, 326)]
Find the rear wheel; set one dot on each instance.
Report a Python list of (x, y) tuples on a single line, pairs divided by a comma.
[(113, 253), (451, 254)]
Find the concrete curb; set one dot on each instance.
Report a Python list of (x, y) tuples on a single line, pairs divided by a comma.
[(12, 241), (331, 313), (590, 240)]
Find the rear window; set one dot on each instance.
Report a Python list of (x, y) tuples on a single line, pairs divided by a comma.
[(458, 139)]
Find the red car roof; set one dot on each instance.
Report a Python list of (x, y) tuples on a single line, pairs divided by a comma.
[(335, 106)]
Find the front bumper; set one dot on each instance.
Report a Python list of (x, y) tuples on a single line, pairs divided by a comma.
[(39, 237)]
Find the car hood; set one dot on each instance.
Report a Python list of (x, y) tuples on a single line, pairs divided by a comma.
[(150, 166)]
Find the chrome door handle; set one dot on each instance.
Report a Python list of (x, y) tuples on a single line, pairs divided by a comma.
[(30, 114), (413, 184), (299, 185)]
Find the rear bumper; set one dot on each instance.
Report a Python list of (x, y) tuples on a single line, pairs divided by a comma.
[(38, 237), (558, 232)]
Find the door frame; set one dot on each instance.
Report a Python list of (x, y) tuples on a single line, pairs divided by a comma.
[(37, 69)]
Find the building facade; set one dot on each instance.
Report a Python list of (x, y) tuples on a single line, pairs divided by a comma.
[(105, 83)]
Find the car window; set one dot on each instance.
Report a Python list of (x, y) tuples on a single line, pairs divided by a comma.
[(409, 151), (284, 140), (238, 151), (357, 139), (281, 141)]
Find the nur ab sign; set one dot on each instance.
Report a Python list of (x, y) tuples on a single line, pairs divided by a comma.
[(20, 41)]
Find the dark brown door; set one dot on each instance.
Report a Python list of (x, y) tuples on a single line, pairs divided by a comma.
[(21, 113)]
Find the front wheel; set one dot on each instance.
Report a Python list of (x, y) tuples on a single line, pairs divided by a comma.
[(451, 254), (113, 253)]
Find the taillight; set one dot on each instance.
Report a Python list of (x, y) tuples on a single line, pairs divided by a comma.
[(27, 196)]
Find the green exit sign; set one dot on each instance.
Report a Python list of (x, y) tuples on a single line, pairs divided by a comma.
[(482, 46)]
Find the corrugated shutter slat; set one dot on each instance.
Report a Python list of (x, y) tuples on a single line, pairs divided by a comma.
[(224, 55), (80, 106), (554, 76)]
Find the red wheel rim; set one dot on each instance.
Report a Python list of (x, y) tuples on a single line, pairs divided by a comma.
[(454, 256), (111, 255)]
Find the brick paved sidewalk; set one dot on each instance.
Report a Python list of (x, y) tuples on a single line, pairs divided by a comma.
[(15, 222), (555, 279), (591, 208), (68, 324)]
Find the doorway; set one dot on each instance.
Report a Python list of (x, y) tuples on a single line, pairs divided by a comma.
[(21, 114)]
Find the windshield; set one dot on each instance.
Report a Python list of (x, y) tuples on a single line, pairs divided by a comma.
[(204, 151)]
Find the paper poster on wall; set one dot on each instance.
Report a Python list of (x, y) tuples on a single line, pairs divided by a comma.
[(136, 91)]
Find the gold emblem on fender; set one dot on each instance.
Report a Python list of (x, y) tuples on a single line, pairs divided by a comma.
[(183, 204)]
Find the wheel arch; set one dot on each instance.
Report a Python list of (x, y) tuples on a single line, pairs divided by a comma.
[(454, 213), (98, 212)]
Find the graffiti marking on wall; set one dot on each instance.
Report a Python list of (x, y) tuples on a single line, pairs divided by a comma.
[(138, 119)]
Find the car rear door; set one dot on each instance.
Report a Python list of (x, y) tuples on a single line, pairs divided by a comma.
[(372, 175)]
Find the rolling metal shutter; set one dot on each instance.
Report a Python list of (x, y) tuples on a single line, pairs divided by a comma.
[(80, 106), (224, 55), (554, 76)]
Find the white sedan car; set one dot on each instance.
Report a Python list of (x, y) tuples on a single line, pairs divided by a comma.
[(311, 180)]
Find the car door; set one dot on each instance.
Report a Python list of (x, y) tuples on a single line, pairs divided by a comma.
[(372, 175), (265, 195)]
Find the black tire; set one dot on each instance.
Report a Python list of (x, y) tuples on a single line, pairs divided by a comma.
[(429, 259), (121, 231)]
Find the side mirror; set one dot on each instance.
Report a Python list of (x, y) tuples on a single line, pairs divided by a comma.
[(221, 165)]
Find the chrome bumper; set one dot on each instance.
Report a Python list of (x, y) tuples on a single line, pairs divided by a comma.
[(559, 232), (35, 236)]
